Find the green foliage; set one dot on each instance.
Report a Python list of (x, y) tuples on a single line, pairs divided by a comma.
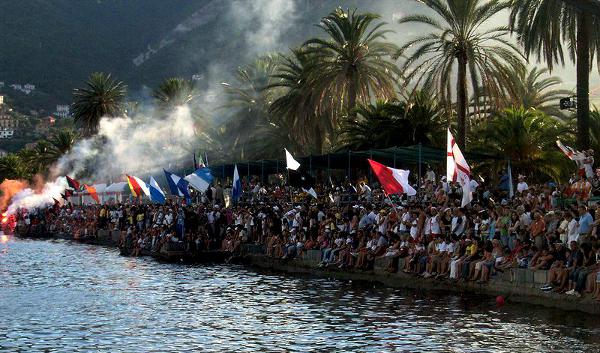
[(101, 97), (420, 119), (528, 138), (353, 61), (459, 41), (174, 92)]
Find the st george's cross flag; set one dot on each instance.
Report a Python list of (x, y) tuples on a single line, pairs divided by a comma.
[(393, 181), (458, 170)]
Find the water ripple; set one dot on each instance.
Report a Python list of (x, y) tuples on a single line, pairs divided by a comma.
[(61, 297)]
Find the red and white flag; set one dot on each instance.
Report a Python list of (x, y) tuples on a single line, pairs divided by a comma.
[(458, 170), (393, 181)]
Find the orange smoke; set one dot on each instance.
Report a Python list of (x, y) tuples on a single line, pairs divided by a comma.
[(8, 189)]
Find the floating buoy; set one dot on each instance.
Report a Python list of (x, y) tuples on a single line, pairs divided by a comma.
[(499, 300)]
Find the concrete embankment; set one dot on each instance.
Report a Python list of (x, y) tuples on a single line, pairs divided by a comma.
[(516, 285)]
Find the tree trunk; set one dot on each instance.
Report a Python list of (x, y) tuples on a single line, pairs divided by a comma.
[(351, 94), (461, 99), (318, 138), (583, 80)]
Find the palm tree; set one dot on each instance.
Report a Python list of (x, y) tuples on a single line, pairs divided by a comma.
[(595, 129), (247, 104), (527, 137), (59, 144), (532, 88), (353, 62), (101, 97), (543, 27), (297, 105), (174, 92), (458, 41), (12, 166), (373, 126), (419, 119)]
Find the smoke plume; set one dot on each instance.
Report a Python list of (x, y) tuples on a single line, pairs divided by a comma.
[(138, 145)]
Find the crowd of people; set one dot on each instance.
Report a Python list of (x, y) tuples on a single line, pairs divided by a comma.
[(353, 225)]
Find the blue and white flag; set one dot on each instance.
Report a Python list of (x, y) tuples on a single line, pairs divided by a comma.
[(172, 181), (236, 190), (156, 193), (177, 185), (511, 191), (200, 179)]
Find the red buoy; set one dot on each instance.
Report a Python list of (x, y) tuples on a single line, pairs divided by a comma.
[(499, 300)]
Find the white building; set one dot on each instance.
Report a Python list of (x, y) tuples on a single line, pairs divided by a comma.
[(7, 133), (63, 111)]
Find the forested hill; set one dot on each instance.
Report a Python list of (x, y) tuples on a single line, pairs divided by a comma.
[(56, 44)]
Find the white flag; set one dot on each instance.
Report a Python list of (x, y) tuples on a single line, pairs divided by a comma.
[(290, 162), (311, 192)]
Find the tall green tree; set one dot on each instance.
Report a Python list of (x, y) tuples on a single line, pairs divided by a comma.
[(418, 119), (174, 92), (354, 61), (101, 97), (529, 88), (550, 28), (528, 138), (459, 41), (12, 166), (247, 102), (297, 105)]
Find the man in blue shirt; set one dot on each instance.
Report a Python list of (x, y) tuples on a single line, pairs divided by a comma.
[(585, 224)]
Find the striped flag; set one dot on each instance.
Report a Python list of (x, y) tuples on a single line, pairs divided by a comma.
[(138, 186)]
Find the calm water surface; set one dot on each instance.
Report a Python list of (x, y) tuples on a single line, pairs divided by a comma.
[(63, 297)]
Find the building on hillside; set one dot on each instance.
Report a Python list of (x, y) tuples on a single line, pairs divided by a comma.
[(63, 111), (45, 124), (6, 133)]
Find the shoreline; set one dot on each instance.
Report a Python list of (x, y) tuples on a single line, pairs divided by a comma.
[(515, 285)]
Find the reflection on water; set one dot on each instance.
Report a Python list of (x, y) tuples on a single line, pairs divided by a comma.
[(60, 297)]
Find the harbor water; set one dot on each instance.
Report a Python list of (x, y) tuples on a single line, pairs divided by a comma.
[(58, 296)]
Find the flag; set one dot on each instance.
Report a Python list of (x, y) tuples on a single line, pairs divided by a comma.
[(200, 179), (511, 190), (138, 186), (290, 162), (172, 180), (311, 192), (156, 193), (74, 184), (236, 190), (56, 204), (458, 170), (68, 193), (92, 191), (450, 172), (570, 152), (393, 181)]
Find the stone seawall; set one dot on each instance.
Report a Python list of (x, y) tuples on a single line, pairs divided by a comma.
[(516, 285)]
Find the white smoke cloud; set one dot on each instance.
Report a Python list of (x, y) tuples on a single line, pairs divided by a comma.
[(139, 145), (28, 198), (263, 23)]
